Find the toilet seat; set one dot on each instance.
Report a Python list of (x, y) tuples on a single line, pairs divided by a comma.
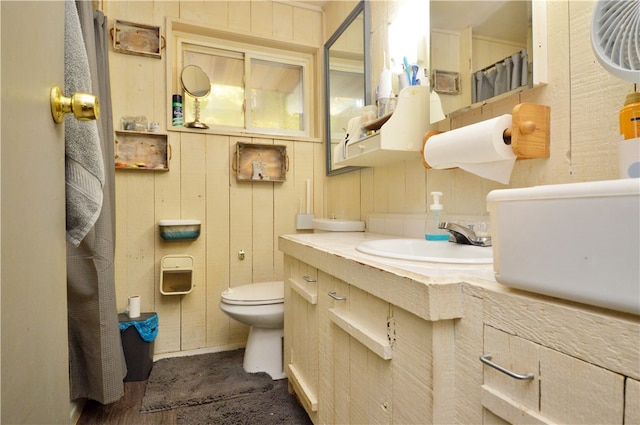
[(263, 293)]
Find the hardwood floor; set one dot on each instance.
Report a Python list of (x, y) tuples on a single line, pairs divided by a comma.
[(125, 411)]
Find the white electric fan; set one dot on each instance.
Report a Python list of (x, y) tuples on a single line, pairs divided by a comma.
[(615, 37)]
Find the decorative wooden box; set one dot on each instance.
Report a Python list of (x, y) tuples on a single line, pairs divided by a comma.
[(142, 151), (253, 162), (137, 39)]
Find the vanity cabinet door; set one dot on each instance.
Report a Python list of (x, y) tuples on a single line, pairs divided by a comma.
[(361, 356), (301, 332), (563, 389)]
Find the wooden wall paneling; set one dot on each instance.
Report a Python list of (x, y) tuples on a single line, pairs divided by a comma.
[(285, 208), (594, 126), (366, 193), (396, 186), (193, 10), (167, 205), (217, 236), (319, 173), (239, 16), (216, 14), (380, 190), (302, 156), (415, 186), (262, 217), (307, 26), (121, 243), (193, 205), (241, 236), (262, 19), (282, 21)]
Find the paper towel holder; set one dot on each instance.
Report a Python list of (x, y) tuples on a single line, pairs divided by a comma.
[(529, 135)]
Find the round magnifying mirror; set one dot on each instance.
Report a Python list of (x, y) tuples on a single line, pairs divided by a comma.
[(196, 83)]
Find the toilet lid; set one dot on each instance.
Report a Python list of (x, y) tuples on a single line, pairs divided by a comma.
[(255, 294)]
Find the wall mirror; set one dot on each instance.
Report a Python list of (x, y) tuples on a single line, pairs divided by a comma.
[(470, 37), (347, 79)]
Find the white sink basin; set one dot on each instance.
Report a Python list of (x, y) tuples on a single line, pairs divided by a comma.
[(577, 241), (430, 251)]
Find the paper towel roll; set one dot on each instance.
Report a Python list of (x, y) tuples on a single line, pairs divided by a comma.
[(134, 306), (477, 148)]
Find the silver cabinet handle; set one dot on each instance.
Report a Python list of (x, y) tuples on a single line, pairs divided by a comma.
[(308, 278), (333, 295), (486, 359)]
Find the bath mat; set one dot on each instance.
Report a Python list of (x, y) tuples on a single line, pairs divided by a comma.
[(194, 380), (273, 407)]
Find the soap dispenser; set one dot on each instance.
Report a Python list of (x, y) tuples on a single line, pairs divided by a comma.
[(434, 217)]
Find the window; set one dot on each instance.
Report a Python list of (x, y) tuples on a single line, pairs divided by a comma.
[(253, 89)]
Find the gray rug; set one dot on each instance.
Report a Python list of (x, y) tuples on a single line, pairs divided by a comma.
[(195, 380), (273, 407)]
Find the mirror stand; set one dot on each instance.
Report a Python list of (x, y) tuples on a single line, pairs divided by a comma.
[(196, 122)]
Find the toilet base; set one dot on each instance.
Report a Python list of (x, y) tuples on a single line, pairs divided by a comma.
[(264, 352)]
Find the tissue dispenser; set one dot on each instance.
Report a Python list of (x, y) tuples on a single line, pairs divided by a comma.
[(577, 241), (179, 230), (176, 274)]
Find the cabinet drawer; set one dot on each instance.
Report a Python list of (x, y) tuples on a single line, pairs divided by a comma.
[(563, 389)]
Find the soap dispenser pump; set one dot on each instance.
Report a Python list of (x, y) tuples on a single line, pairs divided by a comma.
[(435, 216)]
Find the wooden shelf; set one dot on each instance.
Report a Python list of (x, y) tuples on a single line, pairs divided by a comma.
[(260, 163), (135, 150)]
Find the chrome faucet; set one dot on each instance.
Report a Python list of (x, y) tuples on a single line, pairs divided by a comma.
[(464, 235)]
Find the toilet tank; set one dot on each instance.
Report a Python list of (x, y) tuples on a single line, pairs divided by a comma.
[(578, 241)]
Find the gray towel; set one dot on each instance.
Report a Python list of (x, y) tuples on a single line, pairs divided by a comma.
[(83, 155)]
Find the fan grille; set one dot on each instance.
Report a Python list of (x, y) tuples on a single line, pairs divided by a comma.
[(615, 35)]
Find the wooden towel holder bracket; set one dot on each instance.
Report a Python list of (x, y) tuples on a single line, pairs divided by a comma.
[(529, 135)]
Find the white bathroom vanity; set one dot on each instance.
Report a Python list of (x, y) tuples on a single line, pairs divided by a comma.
[(399, 342)]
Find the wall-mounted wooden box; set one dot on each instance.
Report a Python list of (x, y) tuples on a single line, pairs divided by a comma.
[(137, 39), (142, 151), (254, 162)]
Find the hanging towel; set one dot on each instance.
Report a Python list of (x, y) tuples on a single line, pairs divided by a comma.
[(84, 165)]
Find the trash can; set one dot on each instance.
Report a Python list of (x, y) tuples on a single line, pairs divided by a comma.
[(137, 343)]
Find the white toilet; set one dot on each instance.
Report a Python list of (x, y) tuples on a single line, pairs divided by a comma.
[(261, 306)]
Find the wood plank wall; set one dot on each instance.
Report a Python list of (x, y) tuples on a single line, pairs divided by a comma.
[(201, 184)]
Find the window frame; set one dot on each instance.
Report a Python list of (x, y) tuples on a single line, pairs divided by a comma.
[(182, 35)]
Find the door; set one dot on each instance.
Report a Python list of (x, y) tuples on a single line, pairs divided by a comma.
[(34, 355)]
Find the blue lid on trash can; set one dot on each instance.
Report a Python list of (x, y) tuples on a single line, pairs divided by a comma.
[(146, 327)]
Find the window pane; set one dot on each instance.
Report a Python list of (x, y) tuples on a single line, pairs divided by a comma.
[(276, 96), (224, 105)]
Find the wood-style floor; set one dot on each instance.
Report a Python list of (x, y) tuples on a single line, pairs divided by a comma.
[(125, 411)]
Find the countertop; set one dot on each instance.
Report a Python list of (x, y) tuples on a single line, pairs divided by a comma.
[(432, 291)]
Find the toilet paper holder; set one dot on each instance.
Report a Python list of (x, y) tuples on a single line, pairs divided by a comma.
[(529, 135)]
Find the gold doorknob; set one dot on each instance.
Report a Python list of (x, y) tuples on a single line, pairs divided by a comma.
[(85, 107)]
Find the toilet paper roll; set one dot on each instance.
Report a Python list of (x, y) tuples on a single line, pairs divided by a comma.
[(477, 148), (629, 158), (134, 307)]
